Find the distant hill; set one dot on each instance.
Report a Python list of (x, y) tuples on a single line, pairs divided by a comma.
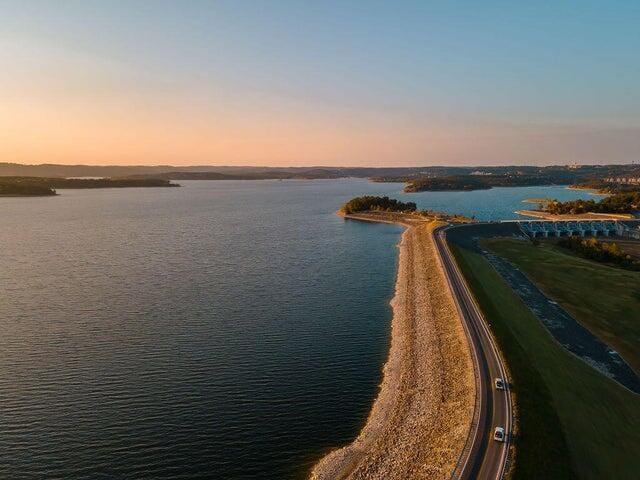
[(416, 178), (209, 172), (201, 171)]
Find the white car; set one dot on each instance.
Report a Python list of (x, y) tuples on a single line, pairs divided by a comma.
[(499, 383), (498, 434)]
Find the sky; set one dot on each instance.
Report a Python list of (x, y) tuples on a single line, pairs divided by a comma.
[(341, 83)]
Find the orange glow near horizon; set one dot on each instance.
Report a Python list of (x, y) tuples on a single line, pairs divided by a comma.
[(105, 131), (231, 83)]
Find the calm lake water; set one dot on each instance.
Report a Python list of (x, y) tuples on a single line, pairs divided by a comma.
[(219, 330)]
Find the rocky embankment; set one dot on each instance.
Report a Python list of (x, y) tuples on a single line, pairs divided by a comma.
[(419, 422)]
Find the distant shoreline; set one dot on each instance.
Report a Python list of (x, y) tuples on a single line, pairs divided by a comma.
[(8, 195), (582, 216), (48, 186), (592, 191)]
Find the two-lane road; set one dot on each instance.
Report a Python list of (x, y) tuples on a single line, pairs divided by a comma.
[(483, 458)]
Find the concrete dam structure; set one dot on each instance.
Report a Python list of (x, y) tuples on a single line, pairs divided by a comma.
[(567, 228)]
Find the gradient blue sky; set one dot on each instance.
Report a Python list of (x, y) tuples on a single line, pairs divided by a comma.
[(332, 83)]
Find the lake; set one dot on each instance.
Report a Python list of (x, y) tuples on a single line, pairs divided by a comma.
[(230, 329)]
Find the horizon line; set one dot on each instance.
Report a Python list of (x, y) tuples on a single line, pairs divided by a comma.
[(633, 162)]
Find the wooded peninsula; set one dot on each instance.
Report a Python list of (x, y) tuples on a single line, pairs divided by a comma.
[(627, 202), (46, 186)]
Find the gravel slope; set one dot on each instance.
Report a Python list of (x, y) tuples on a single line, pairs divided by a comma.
[(419, 422)]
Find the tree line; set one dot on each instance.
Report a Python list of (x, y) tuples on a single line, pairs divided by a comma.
[(605, 252), (602, 186), (487, 181), (380, 204), (625, 202), (13, 189), (35, 183)]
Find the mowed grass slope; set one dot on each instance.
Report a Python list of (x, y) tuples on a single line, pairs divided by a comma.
[(605, 299), (573, 421)]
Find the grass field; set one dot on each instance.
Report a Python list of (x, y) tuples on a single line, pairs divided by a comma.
[(605, 299), (573, 422)]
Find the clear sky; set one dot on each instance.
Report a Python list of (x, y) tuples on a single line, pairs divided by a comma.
[(350, 83)]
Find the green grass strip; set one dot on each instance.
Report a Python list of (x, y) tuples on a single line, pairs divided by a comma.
[(573, 422)]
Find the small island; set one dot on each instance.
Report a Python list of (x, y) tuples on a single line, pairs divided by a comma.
[(390, 210), (381, 204), (449, 183)]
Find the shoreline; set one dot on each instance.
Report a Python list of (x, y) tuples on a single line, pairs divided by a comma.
[(537, 201), (419, 422), (582, 216), (2, 195), (592, 191)]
